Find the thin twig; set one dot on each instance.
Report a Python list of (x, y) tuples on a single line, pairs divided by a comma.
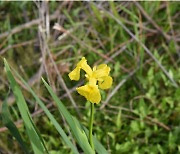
[(59, 75), (120, 85), (158, 123), (116, 53), (63, 83), (43, 35), (17, 45), (117, 88), (172, 30), (145, 48), (152, 21), (28, 25), (155, 121), (84, 45)]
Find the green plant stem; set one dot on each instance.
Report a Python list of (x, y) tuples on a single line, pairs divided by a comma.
[(91, 125)]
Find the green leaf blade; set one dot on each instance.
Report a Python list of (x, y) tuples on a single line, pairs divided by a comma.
[(50, 116), (6, 119), (37, 145), (77, 129)]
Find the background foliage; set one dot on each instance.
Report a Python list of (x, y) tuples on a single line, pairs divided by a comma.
[(140, 113)]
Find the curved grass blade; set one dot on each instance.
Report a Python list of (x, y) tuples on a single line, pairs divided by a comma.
[(6, 119), (50, 116), (37, 145), (75, 126), (97, 145)]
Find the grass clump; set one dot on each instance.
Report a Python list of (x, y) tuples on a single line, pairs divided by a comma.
[(139, 114)]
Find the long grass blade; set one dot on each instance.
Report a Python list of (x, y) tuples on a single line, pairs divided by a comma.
[(97, 145), (36, 142), (77, 130), (78, 133), (7, 121), (50, 116)]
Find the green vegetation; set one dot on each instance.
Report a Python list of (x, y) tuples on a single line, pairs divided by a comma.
[(139, 114)]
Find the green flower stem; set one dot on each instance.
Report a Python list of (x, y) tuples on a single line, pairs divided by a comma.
[(91, 126)]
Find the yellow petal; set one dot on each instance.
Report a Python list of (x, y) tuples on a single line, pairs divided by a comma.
[(106, 83), (83, 65), (101, 66), (75, 74), (102, 70), (91, 93), (92, 81), (95, 96), (83, 90)]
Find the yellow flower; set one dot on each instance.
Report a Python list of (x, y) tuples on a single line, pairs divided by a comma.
[(98, 77)]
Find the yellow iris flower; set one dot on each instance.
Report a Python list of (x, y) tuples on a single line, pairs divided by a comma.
[(98, 77)]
